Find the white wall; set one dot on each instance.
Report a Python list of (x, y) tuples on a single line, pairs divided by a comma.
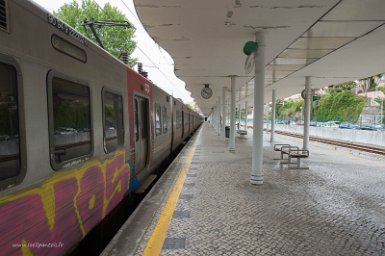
[(376, 138)]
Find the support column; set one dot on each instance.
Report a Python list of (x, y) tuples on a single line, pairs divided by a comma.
[(212, 116), (239, 110), (273, 102), (239, 116), (219, 116), (247, 87), (257, 155), (232, 116), (306, 123), (224, 111)]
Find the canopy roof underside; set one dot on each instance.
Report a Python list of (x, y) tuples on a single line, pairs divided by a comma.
[(331, 41)]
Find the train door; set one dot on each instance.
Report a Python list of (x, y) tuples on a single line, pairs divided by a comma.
[(141, 132), (182, 124)]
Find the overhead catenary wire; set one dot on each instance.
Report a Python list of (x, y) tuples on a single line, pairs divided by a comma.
[(149, 58)]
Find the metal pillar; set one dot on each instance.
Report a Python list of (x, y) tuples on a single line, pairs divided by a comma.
[(273, 102), (224, 111), (257, 155), (219, 116), (239, 116), (381, 112), (232, 116), (306, 123), (239, 110), (212, 117), (247, 87)]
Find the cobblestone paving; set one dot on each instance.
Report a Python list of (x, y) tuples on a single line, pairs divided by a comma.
[(337, 207)]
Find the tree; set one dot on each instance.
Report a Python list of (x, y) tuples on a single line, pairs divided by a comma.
[(115, 39), (288, 109), (339, 106)]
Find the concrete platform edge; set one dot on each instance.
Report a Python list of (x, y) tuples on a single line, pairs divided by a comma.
[(131, 234)]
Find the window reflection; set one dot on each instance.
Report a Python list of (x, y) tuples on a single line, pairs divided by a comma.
[(158, 121), (113, 121), (72, 120), (136, 126), (164, 116), (9, 123)]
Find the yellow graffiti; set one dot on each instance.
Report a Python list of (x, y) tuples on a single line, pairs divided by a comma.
[(91, 202), (117, 189), (45, 190), (25, 250)]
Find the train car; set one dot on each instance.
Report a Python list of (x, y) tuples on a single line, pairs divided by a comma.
[(178, 125), (79, 131)]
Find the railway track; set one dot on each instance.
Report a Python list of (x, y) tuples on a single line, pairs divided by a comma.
[(361, 147)]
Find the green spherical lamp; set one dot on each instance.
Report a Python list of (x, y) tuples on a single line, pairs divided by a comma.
[(250, 47)]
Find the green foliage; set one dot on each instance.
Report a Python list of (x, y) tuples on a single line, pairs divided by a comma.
[(72, 114), (287, 109), (342, 106), (339, 103), (348, 86), (114, 39)]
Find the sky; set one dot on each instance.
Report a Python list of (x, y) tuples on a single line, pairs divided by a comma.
[(156, 61)]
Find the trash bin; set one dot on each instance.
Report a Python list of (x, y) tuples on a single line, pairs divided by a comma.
[(227, 131)]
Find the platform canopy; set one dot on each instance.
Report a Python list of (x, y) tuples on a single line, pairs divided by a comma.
[(331, 41)]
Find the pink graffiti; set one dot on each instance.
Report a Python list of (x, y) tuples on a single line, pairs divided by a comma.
[(116, 187), (78, 206)]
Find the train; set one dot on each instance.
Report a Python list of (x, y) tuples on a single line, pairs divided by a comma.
[(79, 132)]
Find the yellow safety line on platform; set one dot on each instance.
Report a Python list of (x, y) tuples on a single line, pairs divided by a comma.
[(155, 244)]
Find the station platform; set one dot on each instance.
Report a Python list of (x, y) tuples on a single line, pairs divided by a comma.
[(204, 204)]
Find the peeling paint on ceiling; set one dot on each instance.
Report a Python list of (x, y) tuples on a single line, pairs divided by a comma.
[(265, 27)]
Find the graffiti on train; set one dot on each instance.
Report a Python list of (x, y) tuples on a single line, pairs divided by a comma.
[(57, 214)]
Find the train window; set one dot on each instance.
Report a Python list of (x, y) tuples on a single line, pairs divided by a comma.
[(179, 119), (143, 118), (68, 48), (113, 121), (9, 123), (136, 125), (165, 118), (70, 121), (158, 120)]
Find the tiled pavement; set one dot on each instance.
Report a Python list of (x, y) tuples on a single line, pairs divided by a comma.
[(337, 207)]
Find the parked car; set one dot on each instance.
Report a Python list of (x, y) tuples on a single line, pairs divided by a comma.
[(348, 126), (368, 128), (65, 130)]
